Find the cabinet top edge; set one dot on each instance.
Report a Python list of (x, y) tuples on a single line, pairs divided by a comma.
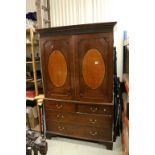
[(78, 29)]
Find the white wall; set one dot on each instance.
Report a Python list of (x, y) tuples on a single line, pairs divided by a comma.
[(119, 11), (71, 12), (30, 6)]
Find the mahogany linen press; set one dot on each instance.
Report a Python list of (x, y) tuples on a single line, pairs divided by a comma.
[(77, 70)]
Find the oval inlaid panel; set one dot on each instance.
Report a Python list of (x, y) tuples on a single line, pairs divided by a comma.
[(57, 68), (93, 68)]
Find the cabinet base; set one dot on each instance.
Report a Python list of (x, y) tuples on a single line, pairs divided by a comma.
[(109, 145)]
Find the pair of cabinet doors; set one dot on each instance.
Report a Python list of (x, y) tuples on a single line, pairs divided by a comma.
[(78, 67)]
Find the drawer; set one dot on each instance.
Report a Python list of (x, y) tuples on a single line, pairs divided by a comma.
[(60, 106), (100, 121), (94, 109), (76, 131)]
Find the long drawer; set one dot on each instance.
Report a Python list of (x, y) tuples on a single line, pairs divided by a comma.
[(101, 121), (85, 132), (94, 109), (60, 106)]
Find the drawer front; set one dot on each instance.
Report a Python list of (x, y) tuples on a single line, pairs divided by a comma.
[(60, 106), (77, 131), (100, 121), (94, 109)]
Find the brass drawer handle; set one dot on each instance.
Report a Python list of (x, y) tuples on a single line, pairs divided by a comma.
[(93, 109), (93, 121), (104, 109), (61, 128), (58, 106), (93, 133), (60, 116)]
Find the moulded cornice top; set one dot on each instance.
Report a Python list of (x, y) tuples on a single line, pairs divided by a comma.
[(78, 29)]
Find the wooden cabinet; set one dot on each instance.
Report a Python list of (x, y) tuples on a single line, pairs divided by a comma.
[(77, 66)]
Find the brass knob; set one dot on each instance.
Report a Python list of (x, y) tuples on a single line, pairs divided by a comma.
[(93, 121), (93, 133), (60, 116), (61, 128), (93, 109), (58, 106), (104, 109)]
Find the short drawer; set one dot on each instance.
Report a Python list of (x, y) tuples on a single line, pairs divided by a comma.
[(100, 121), (77, 131), (94, 109), (59, 106)]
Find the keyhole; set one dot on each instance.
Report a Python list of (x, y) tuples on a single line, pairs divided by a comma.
[(96, 62)]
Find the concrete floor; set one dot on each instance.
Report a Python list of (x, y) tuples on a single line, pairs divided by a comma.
[(65, 146)]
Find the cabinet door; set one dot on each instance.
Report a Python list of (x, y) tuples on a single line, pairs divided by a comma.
[(94, 67), (57, 67)]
